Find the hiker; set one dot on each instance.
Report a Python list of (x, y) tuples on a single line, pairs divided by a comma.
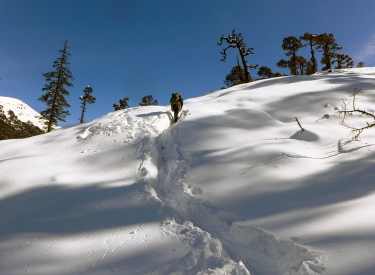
[(176, 104)]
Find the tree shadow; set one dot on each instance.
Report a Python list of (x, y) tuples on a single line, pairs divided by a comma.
[(69, 210), (346, 181)]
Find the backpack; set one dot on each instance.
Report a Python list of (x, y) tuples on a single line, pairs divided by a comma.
[(176, 99)]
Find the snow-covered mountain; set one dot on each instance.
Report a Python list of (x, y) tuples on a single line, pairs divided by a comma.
[(234, 187), (23, 111)]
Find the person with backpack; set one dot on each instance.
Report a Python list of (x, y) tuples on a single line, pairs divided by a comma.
[(176, 105)]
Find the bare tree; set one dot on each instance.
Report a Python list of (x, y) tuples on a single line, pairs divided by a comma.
[(345, 112), (236, 41)]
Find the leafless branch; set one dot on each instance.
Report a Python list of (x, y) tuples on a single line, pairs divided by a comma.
[(299, 124), (355, 131)]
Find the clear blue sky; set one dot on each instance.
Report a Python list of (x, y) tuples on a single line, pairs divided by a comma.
[(142, 47)]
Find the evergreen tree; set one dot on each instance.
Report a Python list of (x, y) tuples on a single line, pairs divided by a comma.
[(343, 61), (148, 100), (55, 90), (290, 44), (311, 69), (123, 104), (266, 72), (236, 41), (326, 44), (301, 64), (284, 64), (87, 98), (311, 40), (235, 77), (360, 64)]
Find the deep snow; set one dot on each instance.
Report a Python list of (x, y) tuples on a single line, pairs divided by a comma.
[(234, 187)]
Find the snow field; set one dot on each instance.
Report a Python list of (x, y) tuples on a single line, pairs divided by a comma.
[(234, 187)]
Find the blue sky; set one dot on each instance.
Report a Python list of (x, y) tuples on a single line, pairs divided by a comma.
[(137, 48)]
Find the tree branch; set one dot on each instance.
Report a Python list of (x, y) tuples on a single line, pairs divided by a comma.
[(355, 131)]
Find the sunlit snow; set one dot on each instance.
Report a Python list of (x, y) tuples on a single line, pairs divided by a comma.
[(234, 187)]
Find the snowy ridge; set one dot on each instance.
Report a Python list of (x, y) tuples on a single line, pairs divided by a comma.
[(23, 111)]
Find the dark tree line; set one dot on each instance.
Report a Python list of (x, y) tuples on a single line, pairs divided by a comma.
[(324, 43), (59, 79), (298, 65), (147, 100), (13, 128)]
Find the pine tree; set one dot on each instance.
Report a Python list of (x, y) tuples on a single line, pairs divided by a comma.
[(87, 98), (235, 77), (326, 44), (236, 41), (343, 61), (311, 40), (290, 44), (266, 72), (55, 90), (360, 64), (148, 100), (123, 104), (302, 65)]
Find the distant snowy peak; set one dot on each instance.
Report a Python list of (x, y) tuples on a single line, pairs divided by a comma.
[(23, 111)]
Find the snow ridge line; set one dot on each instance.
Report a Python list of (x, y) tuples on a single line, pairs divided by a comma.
[(261, 251)]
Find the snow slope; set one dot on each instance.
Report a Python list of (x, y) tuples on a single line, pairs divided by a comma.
[(234, 187), (23, 111)]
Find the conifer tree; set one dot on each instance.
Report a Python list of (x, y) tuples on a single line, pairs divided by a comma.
[(235, 77), (326, 44), (310, 69), (266, 72), (301, 64), (236, 41), (55, 94), (87, 98), (148, 100), (123, 104), (343, 61), (290, 44), (311, 40), (360, 64)]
